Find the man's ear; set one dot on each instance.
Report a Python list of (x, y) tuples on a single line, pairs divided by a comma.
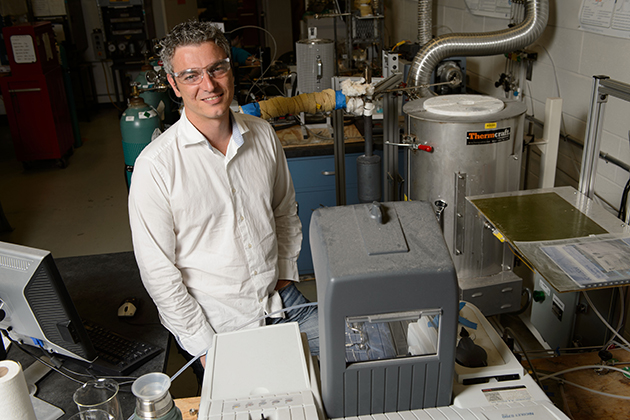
[(173, 84)]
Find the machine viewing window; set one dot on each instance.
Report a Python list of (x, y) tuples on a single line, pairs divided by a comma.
[(392, 335)]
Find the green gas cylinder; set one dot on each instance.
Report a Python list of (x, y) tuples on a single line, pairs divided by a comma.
[(150, 76), (138, 124)]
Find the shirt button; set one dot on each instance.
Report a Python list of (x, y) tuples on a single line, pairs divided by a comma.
[(242, 218), (249, 245), (233, 190), (260, 300), (255, 272)]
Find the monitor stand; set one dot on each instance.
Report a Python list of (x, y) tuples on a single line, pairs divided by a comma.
[(43, 409)]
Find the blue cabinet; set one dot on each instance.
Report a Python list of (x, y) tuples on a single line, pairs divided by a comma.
[(314, 181)]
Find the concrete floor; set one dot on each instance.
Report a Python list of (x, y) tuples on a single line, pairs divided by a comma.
[(79, 210)]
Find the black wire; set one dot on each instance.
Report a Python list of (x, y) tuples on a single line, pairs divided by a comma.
[(89, 374), (43, 362), (513, 335), (529, 301), (624, 200), (294, 86)]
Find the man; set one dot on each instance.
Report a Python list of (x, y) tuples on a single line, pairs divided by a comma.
[(212, 206), (240, 55)]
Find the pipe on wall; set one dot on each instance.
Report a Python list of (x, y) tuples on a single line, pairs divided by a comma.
[(425, 21), (478, 44)]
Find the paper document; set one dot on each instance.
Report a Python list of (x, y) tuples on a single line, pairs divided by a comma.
[(491, 8), (593, 263), (606, 17)]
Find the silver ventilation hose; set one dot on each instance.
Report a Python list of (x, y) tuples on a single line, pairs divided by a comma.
[(425, 21), (478, 44)]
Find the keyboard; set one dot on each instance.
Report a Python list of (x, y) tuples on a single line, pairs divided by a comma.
[(117, 355)]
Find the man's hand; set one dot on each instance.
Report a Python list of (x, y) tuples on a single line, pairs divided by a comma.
[(252, 61), (282, 284)]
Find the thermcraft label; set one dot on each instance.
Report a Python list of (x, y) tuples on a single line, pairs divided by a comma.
[(488, 136)]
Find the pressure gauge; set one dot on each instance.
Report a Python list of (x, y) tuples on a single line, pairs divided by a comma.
[(151, 76), (122, 46), (111, 47)]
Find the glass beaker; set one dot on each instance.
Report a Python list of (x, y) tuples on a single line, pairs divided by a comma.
[(92, 415), (101, 394)]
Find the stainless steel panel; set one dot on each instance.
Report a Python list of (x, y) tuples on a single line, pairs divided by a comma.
[(489, 168)]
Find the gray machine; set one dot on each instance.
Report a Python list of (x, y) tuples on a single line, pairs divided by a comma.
[(387, 293)]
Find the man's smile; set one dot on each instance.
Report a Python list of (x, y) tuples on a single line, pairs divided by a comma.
[(212, 98)]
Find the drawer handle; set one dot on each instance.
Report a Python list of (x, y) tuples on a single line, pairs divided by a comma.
[(328, 173), (507, 289), (24, 90), (506, 306), (478, 294)]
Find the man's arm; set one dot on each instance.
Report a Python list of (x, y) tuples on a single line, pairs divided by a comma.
[(288, 225), (154, 243)]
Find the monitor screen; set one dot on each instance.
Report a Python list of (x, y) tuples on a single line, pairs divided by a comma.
[(35, 306)]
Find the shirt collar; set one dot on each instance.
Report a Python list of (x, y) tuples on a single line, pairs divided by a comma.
[(193, 136)]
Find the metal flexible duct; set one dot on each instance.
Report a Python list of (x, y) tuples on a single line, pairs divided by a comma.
[(478, 44), (425, 21)]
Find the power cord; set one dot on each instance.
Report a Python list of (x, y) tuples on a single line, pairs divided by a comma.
[(56, 364)]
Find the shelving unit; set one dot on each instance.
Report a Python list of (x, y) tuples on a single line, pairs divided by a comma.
[(365, 31)]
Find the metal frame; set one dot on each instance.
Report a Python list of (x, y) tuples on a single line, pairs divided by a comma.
[(603, 87)]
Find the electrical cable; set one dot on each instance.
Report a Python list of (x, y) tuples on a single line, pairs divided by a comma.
[(531, 97), (534, 373), (624, 200), (601, 318), (529, 301), (605, 394), (565, 403), (621, 346), (557, 351), (281, 93), (43, 362), (562, 372), (555, 75), (61, 369), (622, 312), (273, 58), (438, 27), (404, 41)]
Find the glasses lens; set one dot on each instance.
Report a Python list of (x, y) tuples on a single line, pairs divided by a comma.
[(219, 70), (194, 76), (190, 77)]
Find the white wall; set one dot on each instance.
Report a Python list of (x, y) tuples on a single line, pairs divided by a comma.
[(576, 55)]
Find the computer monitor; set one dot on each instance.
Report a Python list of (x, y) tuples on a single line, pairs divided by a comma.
[(35, 306)]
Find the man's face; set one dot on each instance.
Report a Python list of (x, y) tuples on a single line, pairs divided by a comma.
[(210, 99)]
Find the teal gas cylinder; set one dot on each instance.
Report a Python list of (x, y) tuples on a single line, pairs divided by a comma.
[(159, 99), (137, 125)]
